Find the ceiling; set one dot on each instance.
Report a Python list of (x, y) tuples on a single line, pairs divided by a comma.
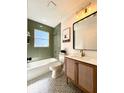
[(52, 14)]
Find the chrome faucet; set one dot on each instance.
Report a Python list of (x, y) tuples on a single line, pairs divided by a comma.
[(82, 53)]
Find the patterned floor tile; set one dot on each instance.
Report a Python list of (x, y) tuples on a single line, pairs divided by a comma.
[(45, 84)]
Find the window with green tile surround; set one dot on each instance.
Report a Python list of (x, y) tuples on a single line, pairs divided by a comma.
[(41, 38)]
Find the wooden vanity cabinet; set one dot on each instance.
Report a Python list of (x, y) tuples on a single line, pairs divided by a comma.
[(83, 75), (70, 72)]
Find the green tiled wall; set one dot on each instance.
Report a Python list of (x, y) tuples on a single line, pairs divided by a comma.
[(40, 52)]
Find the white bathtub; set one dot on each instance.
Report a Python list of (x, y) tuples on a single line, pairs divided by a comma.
[(40, 67)]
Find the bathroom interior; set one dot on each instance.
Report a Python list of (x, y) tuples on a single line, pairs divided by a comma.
[(62, 46)]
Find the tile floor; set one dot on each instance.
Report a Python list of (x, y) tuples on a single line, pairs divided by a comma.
[(45, 84)]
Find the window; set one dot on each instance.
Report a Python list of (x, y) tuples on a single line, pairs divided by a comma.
[(41, 38)]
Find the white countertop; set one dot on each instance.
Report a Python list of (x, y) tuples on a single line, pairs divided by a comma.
[(85, 59)]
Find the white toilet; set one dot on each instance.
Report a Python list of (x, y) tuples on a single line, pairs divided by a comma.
[(58, 66)]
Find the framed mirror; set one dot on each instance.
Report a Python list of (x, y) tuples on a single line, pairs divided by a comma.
[(85, 33)]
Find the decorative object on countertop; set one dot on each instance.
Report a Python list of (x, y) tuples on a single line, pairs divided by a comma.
[(66, 35)]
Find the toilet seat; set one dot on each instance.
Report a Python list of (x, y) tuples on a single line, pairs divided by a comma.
[(56, 66)]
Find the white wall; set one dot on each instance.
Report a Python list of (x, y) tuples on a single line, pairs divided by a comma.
[(69, 45)]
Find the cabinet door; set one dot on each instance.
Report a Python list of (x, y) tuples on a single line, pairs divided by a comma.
[(70, 69), (85, 77)]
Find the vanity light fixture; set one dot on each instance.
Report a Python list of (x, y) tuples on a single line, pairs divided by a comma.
[(84, 9)]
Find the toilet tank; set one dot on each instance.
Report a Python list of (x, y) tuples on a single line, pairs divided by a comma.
[(61, 57)]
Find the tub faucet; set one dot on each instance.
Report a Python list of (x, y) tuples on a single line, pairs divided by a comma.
[(29, 59)]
